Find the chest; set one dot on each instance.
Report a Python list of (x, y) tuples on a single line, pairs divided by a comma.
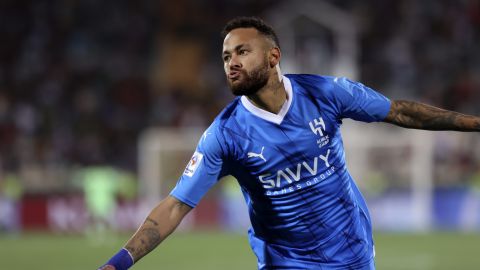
[(306, 133)]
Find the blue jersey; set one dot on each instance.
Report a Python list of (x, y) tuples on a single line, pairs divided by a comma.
[(305, 209)]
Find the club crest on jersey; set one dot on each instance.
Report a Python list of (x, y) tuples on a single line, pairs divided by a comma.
[(318, 127), (193, 164)]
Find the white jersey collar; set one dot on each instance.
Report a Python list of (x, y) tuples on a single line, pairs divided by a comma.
[(266, 115)]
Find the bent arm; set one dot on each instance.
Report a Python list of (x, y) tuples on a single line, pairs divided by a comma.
[(410, 114), (159, 224)]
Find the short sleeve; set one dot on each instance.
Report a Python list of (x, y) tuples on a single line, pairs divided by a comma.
[(359, 102), (203, 170)]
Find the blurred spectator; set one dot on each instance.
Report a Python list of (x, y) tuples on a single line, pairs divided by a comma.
[(10, 195)]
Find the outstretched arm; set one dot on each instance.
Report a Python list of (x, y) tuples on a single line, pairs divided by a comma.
[(410, 114), (159, 224)]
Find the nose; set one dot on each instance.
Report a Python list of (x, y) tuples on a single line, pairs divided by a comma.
[(234, 62)]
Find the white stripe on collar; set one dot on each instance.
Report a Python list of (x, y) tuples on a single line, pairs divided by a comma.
[(266, 115)]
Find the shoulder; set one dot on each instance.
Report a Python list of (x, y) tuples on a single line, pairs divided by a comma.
[(318, 86), (217, 135), (310, 79), (228, 112), (227, 117), (311, 82)]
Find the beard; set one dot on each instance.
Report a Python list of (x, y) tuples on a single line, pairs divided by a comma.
[(252, 81)]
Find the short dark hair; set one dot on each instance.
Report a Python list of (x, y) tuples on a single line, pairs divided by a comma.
[(251, 22)]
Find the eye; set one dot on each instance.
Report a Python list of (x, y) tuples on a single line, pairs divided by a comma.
[(242, 52), (226, 58)]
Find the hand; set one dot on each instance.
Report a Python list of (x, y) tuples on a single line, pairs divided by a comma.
[(107, 267)]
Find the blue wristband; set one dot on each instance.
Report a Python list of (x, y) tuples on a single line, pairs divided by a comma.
[(122, 260)]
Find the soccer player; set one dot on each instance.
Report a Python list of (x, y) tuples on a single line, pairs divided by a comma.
[(281, 140)]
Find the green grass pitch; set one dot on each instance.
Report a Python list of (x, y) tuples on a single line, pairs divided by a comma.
[(217, 250)]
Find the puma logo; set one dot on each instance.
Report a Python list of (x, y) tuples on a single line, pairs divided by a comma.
[(257, 155)]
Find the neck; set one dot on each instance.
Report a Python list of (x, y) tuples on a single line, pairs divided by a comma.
[(272, 96)]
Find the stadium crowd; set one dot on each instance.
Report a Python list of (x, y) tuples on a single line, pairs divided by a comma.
[(79, 80)]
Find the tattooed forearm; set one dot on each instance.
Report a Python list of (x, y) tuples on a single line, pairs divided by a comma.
[(151, 221), (411, 114), (144, 241), (161, 222)]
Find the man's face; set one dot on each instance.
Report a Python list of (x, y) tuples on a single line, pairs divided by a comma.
[(245, 61)]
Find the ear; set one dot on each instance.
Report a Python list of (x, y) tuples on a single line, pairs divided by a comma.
[(274, 56)]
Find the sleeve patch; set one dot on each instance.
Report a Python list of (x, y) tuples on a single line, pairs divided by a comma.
[(193, 164)]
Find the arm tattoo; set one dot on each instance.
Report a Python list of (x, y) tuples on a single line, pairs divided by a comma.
[(151, 221), (154, 231), (143, 242), (416, 115)]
